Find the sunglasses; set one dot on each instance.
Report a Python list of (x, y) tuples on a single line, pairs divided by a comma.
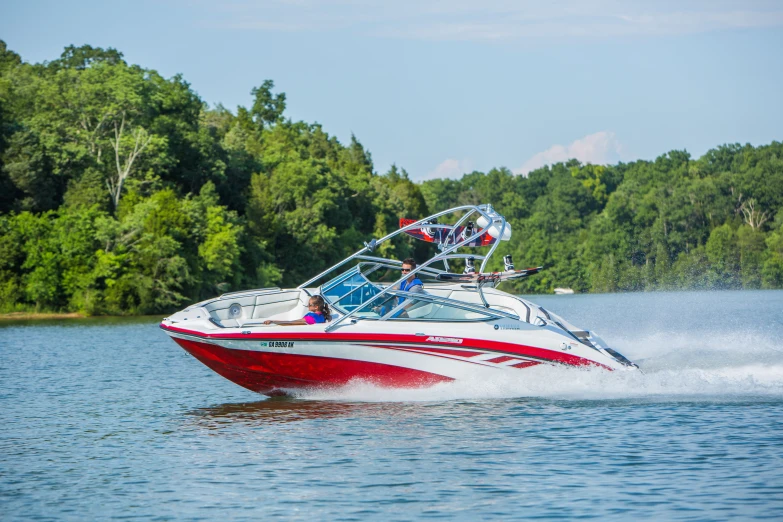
[(407, 269)]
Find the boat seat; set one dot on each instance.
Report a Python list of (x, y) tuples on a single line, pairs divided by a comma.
[(291, 314), (268, 305), (219, 309), (272, 306)]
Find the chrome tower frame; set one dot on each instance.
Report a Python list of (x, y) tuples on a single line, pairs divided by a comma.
[(446, 253)]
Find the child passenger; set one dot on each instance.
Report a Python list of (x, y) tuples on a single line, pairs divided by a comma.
[(319, 313)]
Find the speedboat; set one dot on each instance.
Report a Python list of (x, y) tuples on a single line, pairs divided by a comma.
[(461, 326)]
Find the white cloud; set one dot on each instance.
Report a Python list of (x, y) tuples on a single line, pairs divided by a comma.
[(598, 148), (451, 168), (497, 20)]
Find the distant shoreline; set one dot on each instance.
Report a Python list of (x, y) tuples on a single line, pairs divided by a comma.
[(42, 316), (34, 315)]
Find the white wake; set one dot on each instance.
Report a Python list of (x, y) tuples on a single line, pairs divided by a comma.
[(727, 366)]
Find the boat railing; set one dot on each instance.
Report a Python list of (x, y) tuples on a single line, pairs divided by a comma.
[(395, 264), (380, 260), (464, 256)]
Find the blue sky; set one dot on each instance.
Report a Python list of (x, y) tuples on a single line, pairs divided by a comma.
[(445, 87)]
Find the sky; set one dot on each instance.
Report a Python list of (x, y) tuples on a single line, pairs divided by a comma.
[(441, 88)]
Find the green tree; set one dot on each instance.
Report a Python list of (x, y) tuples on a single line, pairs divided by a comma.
[(267, 108), (724, 258)]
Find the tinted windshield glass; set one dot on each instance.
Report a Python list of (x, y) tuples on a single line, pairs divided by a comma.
[(428, 311), (350, 292)]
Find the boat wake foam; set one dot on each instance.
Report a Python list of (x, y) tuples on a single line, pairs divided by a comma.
[(740, 366)]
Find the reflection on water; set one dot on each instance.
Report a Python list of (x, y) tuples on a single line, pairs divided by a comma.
[(279, 410)]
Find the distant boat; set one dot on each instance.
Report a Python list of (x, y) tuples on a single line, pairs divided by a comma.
[(563, 291)]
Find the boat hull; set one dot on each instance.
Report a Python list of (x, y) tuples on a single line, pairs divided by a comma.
[(284, 363), (272, 373)]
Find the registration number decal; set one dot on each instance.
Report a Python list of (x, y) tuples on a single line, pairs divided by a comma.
[(277, 344)]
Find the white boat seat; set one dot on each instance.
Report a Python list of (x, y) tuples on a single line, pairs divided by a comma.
[(271, 306)]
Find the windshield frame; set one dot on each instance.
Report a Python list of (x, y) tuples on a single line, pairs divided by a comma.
[(434, 299)]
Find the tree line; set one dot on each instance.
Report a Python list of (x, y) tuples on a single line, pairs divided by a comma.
[(122, 192)]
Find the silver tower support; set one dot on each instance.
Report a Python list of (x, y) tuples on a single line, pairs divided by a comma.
[(417, 224), (442, 255)]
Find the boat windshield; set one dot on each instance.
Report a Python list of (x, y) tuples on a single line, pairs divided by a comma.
[(417, 309), (349, 290), (406, 306), (352, 292)]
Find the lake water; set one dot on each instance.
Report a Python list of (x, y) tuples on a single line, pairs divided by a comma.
[(108, 418)]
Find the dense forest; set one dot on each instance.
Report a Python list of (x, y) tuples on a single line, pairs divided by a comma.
[(122, 192)]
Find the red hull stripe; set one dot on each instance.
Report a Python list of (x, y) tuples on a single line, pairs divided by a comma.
[(541, 354), (415, 349), (525, 364), (501, 359), (427, 349), (275, 373)]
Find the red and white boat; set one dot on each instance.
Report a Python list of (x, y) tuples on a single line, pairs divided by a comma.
[(461, 327)]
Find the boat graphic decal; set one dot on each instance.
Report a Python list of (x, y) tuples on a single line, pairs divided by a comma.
[(453, 340), (446, 354), (502, 359), (525, 364), (474, 357)]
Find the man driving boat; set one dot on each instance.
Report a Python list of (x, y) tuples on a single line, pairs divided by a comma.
[(412, 284)]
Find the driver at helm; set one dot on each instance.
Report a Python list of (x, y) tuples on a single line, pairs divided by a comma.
[(411, 284)]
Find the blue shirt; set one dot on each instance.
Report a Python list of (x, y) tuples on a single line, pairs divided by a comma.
[(405, 286)]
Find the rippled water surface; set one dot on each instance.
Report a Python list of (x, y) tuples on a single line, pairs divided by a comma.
[(109, 418)]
